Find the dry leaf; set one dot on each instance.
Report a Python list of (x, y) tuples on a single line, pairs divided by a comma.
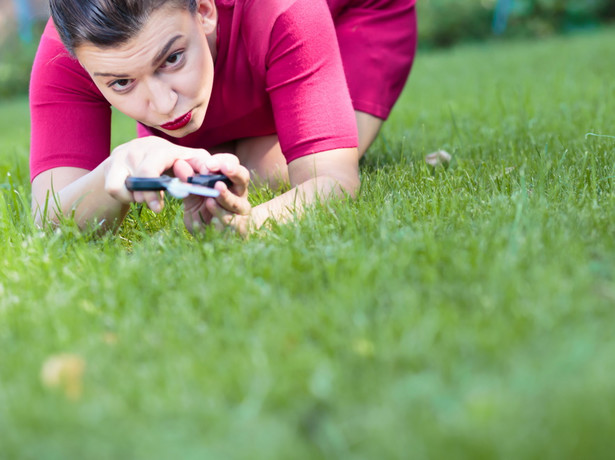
[(439, 158), (65, 372), (109, 338)]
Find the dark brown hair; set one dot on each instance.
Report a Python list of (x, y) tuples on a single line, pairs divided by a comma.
[(105, 23)]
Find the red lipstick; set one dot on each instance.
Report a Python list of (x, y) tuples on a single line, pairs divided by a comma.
[(178, 123)]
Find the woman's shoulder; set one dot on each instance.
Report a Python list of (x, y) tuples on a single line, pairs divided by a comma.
[(50, 32), (261, 15), (255, 19), (259, 22), (57, 74), (52, 53), (268, 9)]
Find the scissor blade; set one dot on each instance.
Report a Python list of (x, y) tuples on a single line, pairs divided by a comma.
[(182, 190)]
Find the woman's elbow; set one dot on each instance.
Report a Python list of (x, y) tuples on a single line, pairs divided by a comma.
[(351, 186)]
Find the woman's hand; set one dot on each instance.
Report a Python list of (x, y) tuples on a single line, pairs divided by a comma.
[(232, 208), (144, 157)]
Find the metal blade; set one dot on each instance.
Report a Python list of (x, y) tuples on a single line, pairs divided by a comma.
[(181, 190)]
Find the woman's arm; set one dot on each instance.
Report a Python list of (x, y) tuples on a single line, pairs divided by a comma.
[(99, 197), (64, 192), (321, 176)]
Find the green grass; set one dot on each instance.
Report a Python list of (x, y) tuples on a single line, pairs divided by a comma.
[(459, 313)]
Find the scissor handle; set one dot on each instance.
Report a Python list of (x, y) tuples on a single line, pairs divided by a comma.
[(209, 180), (147, 184)]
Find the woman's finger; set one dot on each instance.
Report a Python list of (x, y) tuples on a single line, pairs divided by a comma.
[(230, 201), (217, 212), (196, 214), (147, 157), (198, 163), (115, 182), (154, 200), (224, 219), (182, 170), (239, 176), (216, 162)]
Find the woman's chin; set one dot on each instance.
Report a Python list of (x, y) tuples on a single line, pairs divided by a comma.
[(177, 133)]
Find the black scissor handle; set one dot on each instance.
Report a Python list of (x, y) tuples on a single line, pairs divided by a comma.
[(147, 184), (209, 180)]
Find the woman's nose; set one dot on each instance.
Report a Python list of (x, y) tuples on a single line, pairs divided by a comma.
[(162, 98)]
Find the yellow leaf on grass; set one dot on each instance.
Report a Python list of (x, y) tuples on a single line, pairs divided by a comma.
[(110, 338), (65, 372)]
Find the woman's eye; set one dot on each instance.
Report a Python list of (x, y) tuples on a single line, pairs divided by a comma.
[(173, 59), (121, 84)]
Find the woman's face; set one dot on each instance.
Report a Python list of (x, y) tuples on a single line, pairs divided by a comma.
[(163, 76)]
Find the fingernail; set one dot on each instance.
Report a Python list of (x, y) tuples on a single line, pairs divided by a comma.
[(154, 205)]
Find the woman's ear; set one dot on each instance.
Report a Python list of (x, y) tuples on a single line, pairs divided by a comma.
[(207, 14)]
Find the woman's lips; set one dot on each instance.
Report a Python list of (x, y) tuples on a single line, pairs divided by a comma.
[(178, 123)]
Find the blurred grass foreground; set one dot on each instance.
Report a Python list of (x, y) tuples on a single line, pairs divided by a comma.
[(441, 23), (462, 313)]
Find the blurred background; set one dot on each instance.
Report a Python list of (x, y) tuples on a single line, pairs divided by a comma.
[(446, 22), (21, 24), (442, 23)]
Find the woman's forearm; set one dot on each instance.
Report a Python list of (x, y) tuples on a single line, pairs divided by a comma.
[(83, 199), (293, 203), (317, 177), (99, 197)]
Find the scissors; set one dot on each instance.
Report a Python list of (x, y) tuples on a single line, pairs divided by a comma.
[(201, 184)]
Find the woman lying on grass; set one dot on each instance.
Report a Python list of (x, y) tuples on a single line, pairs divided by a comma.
[(281, 90)]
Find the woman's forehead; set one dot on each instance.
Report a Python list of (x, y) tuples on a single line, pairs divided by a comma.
[(163, 29)]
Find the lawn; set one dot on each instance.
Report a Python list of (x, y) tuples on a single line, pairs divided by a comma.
[(452, 313)]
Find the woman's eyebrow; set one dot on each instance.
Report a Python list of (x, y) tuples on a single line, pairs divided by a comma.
[(163, 52), (115, 75), (159, 57)]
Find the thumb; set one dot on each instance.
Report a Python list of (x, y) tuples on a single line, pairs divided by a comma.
[(182, 170)]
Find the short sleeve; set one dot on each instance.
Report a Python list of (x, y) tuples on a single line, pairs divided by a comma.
[(70, 119), (306, 83)]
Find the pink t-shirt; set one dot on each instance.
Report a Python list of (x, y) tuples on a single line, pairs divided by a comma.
[(278, 70)]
